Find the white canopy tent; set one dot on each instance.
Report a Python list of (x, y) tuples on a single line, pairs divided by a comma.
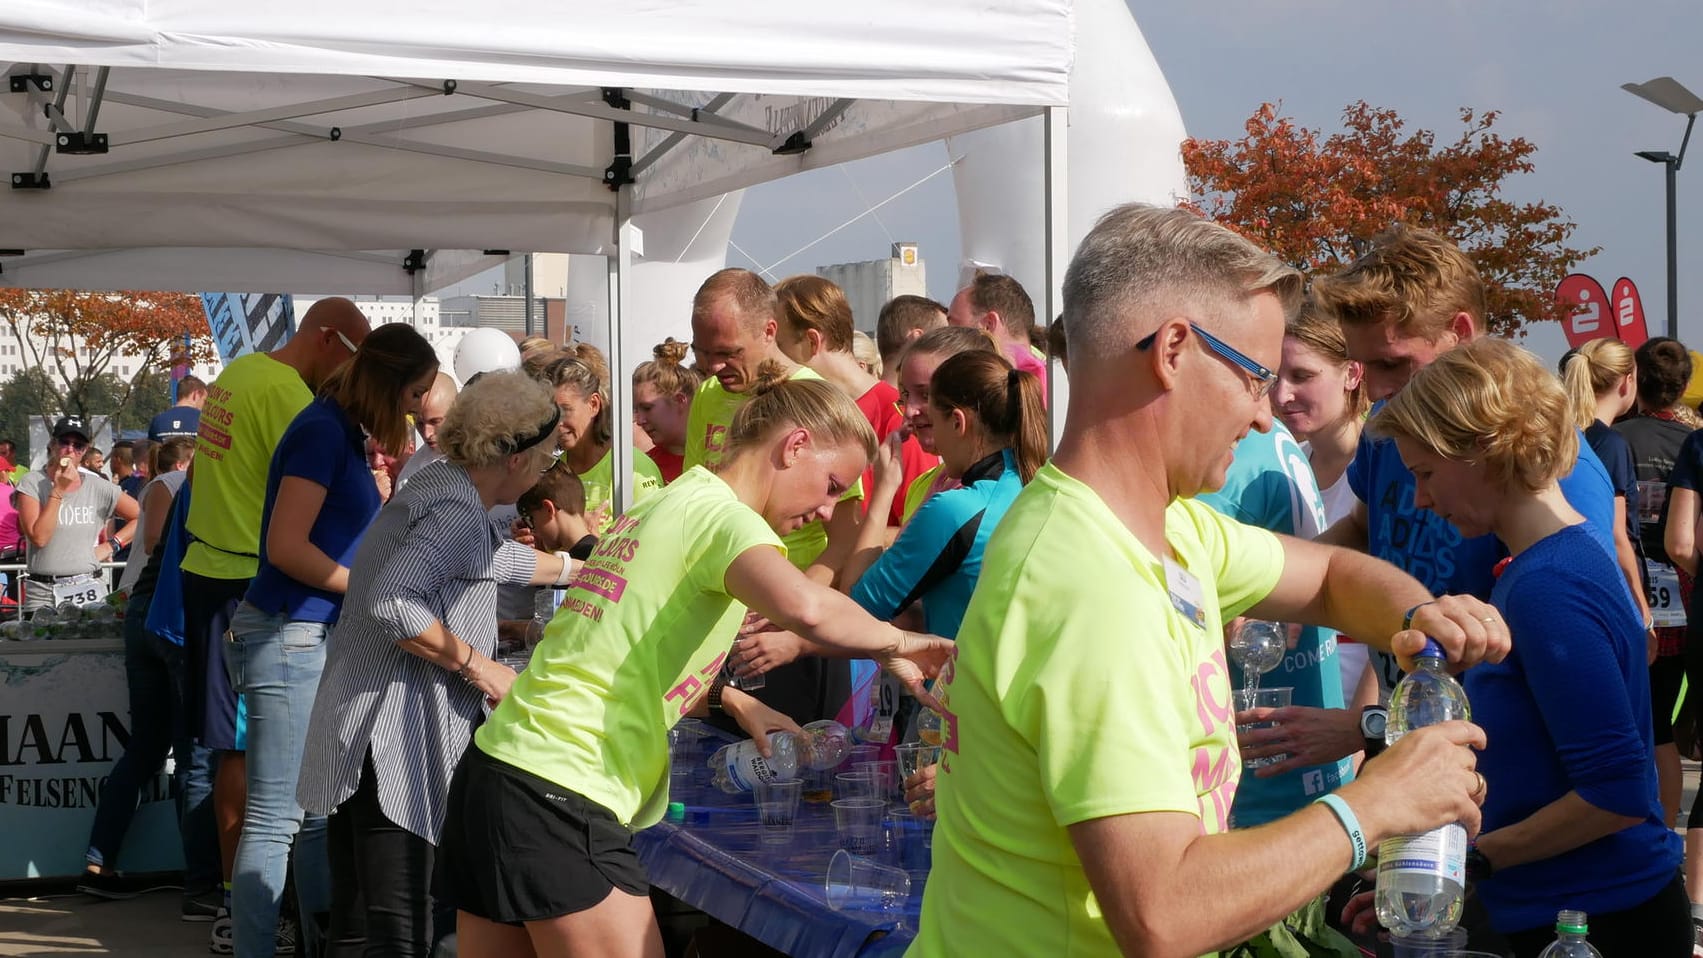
[(323, 144)]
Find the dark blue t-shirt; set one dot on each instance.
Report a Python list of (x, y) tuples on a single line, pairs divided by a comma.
[(1616, 455), (131, 486), (176, 421), (1432, 550), (1569, 710), (324, 446)]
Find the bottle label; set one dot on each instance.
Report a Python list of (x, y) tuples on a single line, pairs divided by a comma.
[(746, 767), (1441, 852)]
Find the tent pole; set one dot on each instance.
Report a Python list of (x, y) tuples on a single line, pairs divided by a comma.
[(621, 388), (1056, 166)]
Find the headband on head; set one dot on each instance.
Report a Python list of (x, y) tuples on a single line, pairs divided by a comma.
[(511, 445)]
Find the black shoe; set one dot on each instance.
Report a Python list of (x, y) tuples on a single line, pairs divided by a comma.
[(203, 906), (116, 886)]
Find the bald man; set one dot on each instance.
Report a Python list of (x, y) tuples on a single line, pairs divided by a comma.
[(247, 410), (433, 407)]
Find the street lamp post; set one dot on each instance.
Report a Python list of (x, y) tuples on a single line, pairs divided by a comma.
[(1670, 95)]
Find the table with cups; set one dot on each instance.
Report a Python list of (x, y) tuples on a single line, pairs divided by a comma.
[(829, 864)]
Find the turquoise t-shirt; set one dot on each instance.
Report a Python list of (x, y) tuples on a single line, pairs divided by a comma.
[(1271, 485)]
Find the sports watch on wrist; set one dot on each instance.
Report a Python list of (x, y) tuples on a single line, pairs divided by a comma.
[(1373, 720)]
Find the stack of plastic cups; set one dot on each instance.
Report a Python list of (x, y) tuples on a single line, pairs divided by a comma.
[(1451, 945)]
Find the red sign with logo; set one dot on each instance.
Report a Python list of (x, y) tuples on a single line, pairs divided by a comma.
[(1588, 317), (1628, 313)]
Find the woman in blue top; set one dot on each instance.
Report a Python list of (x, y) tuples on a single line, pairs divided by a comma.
[(990, 428), (320, 497), (1571, 816)]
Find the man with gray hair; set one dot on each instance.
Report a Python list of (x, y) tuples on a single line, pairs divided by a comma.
[(1090, 755)]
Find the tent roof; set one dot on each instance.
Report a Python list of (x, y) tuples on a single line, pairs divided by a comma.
[(264, 148)]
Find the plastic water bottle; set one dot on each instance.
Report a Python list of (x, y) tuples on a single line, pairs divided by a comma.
[(826, 744), (1422, 878), (739, 767), (1570, 930)]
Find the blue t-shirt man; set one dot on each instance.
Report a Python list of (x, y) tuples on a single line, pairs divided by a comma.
[(1433, 551), (176, 422), (1570, 711), (1271, 485), (307, 451)]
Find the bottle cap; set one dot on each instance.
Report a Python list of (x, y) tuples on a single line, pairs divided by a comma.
[(676, 811), (1433, 649)]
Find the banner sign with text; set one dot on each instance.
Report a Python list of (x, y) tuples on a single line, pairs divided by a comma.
[(243, 323), (63, 723)]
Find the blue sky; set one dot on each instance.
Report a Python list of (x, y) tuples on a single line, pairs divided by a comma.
[(1554, 71)]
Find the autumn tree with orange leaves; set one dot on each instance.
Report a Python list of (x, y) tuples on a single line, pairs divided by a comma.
[(1317, 201), (74, 337)]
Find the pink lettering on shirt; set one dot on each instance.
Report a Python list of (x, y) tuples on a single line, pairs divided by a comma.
[(715, 439), (1215, 767), (600, 582), (1210, 680), (687, 692), (1215, 777)]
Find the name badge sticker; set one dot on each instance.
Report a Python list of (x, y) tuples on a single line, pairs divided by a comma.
[(1186, 594)]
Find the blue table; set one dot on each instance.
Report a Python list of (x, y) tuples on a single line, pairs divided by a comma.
[(716, 862)]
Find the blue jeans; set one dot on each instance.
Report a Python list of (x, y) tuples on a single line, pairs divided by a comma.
[(203, 869), (274, 664), (156, 672)]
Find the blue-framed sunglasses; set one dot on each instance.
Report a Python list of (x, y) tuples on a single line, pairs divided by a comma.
[(1260, 379)]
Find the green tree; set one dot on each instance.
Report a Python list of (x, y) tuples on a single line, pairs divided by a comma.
[(78, 337), (150, 393), (28, 394)]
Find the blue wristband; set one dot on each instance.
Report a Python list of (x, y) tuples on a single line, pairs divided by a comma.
[(1350, 824)]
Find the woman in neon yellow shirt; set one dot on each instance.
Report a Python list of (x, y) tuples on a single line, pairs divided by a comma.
[(586, 433), (577, 753)]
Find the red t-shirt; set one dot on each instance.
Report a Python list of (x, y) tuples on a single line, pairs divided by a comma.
[(880, 406), (667, 463)]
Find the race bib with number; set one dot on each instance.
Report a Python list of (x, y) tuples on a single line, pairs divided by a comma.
[(83, 590), (1667, 608), (885, 697)]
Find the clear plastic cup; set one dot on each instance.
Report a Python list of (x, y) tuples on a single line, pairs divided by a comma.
[(777, 809), (858, 754), (859, 883), (854, 784), (911, 839), (858, 822), (883, 777), (1263, 699), (915, 757)]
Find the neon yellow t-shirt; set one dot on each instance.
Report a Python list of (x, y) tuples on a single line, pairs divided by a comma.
[(248, 408), (643, 632), (1079, 692), (706, 441), (599, 483), (923, 486)]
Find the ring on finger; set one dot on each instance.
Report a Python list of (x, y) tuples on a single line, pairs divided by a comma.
[(1478, 787)]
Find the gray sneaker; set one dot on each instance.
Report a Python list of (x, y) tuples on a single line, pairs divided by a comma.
[(286, 937), (203, 906), (220, 941)]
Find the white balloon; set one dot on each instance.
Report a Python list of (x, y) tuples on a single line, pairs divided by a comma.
[(484, 351)]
